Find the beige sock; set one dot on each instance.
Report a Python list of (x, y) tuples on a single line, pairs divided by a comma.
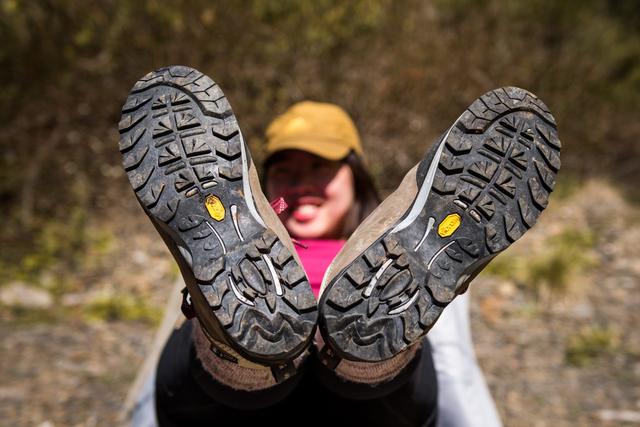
[(376, 372), (245, 375)]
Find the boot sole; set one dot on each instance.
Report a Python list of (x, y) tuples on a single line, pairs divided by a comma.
[(486, 185), (186, 160)]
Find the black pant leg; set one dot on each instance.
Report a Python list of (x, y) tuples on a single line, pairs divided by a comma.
[(411, 398), (187, 395)]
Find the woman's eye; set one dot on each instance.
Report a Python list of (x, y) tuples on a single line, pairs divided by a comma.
[(323, 166), (280, 173)]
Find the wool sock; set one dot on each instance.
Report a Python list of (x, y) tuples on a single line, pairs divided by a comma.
[(244, 375), (376, 372)]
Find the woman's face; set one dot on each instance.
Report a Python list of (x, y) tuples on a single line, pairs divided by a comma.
[(319, 193)]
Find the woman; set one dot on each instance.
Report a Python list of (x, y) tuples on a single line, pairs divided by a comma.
[(314, 163), (249, 356)]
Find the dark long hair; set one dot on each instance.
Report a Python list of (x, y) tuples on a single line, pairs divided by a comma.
[(365, 193)]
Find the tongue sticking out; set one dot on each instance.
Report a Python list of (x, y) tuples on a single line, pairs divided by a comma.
[(304, 213)]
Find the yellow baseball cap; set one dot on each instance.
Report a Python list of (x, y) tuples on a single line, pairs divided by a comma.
[(319, 128)]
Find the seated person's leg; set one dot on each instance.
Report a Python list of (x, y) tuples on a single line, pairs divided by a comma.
[(188, 394), (404, 392)]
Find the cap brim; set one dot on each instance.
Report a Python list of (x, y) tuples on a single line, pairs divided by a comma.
[(326, 149)]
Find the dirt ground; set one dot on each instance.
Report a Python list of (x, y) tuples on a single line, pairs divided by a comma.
[(554, 322)]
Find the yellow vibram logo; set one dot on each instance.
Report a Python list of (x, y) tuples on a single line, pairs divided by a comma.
[(449, 225), (214, 207)]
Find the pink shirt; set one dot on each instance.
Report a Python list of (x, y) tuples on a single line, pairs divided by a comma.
[(316, 258)]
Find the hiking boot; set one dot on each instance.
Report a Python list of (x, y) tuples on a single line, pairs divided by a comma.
[(193, 175), (482, 185)]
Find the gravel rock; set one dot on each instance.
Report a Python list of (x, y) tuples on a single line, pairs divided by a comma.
[(19, 294)]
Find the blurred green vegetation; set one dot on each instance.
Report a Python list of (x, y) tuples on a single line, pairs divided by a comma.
[(110, 307), (552, 271), (59, 247), (102, 307), (569, 253), (591, 342), (404, 70)]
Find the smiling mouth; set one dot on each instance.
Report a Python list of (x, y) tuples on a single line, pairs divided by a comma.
[(306, 208)]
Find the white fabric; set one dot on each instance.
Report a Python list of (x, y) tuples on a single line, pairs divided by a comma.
[(139, 407), (464, 399), (143, 413)]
